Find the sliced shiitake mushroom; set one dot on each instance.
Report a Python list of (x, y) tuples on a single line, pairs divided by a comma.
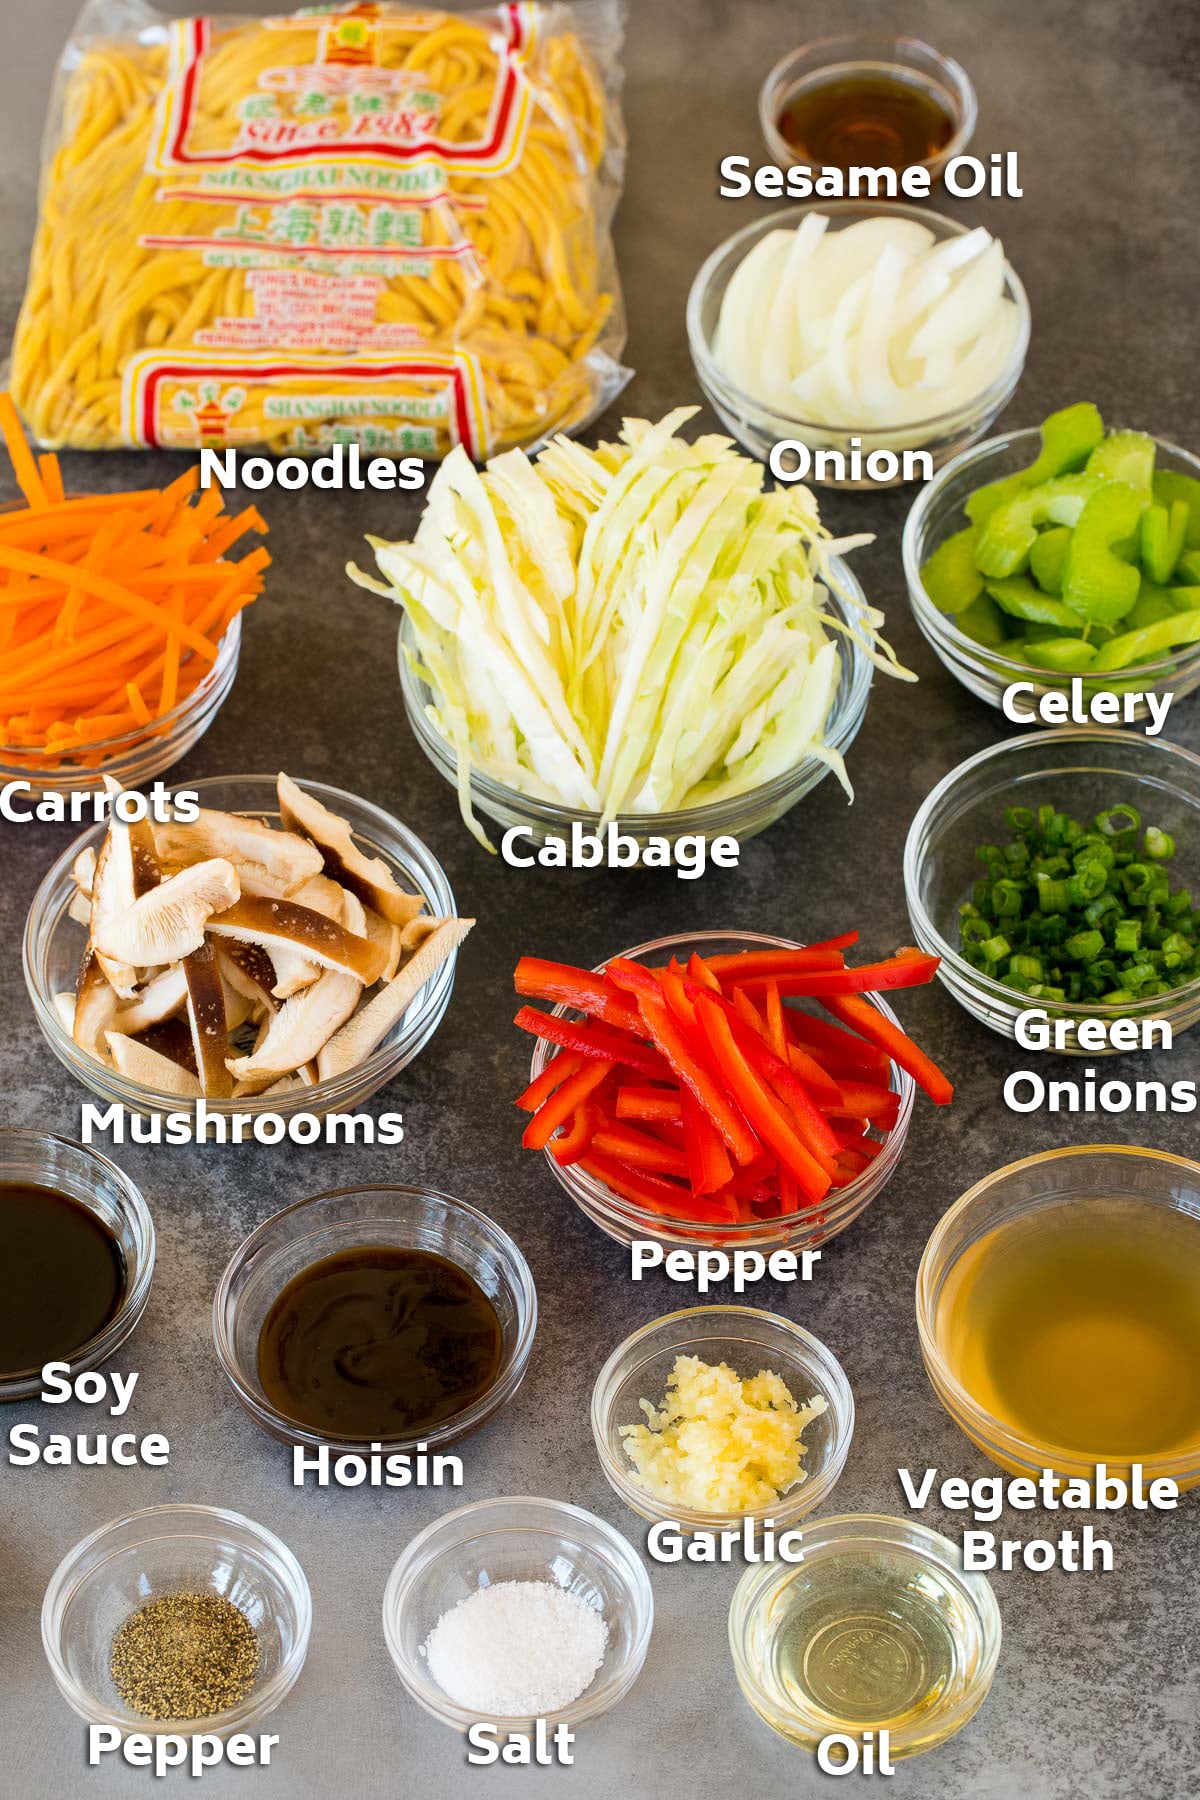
[(163, 996), (268, 862), (371, 1024), (389, 937), (368, 877), (83, 870), (278, 924), (96, 1004), (168, 922), (140, 1063), (248, 969), (301, 1026), (206, 1017)]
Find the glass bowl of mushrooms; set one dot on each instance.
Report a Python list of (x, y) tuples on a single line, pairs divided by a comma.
[(278, 946)]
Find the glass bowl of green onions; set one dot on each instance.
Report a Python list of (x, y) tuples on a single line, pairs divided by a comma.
[(1060, 873)]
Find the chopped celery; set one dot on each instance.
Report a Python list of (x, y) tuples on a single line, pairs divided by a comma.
[(1170, 485), (1088, 560), (1096, 583), (1065, 655), (1011, 531), (1048, 556), (983, 621), (951, 579), (1161, 534), (1068, 438), (1152, 604), (1126, 456), (1020, 599), (1151, 642)]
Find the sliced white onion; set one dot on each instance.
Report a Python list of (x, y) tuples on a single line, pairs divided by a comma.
[(869, 325)]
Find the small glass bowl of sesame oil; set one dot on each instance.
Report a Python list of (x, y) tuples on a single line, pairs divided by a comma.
[(865, 99)]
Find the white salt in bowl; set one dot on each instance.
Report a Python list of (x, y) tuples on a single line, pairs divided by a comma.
[(521, 1539)]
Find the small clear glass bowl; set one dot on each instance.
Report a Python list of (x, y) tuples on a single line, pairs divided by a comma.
[(759, 427), (869, 53), (345, 1219), (804, 1230), (937, 513), (1153, 1178), (37, 1159), (174, 1549), (742, 816), (519, 1539), (907, 1551), (136, 756), (1081, 772), (54, 943), (749, 1340)]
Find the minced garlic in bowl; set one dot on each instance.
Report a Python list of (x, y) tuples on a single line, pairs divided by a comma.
[(719, 1444)]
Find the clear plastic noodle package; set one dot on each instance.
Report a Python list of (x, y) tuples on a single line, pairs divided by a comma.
[(352, 223)]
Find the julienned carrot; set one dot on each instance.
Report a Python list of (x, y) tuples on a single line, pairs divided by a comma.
[(112, 606)]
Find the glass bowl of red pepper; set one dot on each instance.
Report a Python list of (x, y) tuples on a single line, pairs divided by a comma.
[(723, 1087)]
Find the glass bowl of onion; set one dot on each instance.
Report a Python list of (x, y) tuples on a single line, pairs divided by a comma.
[(910, 339)]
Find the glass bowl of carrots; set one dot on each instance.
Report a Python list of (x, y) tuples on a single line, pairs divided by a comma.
[(120, 623), (723, 1087)]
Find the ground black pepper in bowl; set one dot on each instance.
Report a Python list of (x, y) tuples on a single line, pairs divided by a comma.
[(184, 1656)]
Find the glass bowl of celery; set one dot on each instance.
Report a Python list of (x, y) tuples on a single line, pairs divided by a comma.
[(1081, 582)]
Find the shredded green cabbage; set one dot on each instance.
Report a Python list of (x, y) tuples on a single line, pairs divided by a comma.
[(637, 628)]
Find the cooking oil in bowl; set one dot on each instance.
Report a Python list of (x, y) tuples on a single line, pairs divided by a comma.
[(1077, 1327), (868, 1640), (876, 1628)]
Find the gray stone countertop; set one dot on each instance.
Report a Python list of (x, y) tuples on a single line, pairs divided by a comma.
[(1096, 1691)]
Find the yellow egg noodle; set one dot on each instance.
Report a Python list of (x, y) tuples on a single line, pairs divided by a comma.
[(352, 223)]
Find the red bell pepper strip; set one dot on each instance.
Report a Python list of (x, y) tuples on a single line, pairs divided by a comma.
[(864, 1100), (650, 1191), (908, 968), (746, 965), (776, 1032), (648, 1103), (678, 1002), (634, 977), (638, 1150), (569, 1145), (746, 1010), (564, 985), (839, 1052), (820, 1083), (757, 1102), (559, 1107), (700, 972), (691, 1073), (592, 1040), (708, 1164), (751, 1033), (845, 942), (823, 1088), (543, 1085), (862, 1017)]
